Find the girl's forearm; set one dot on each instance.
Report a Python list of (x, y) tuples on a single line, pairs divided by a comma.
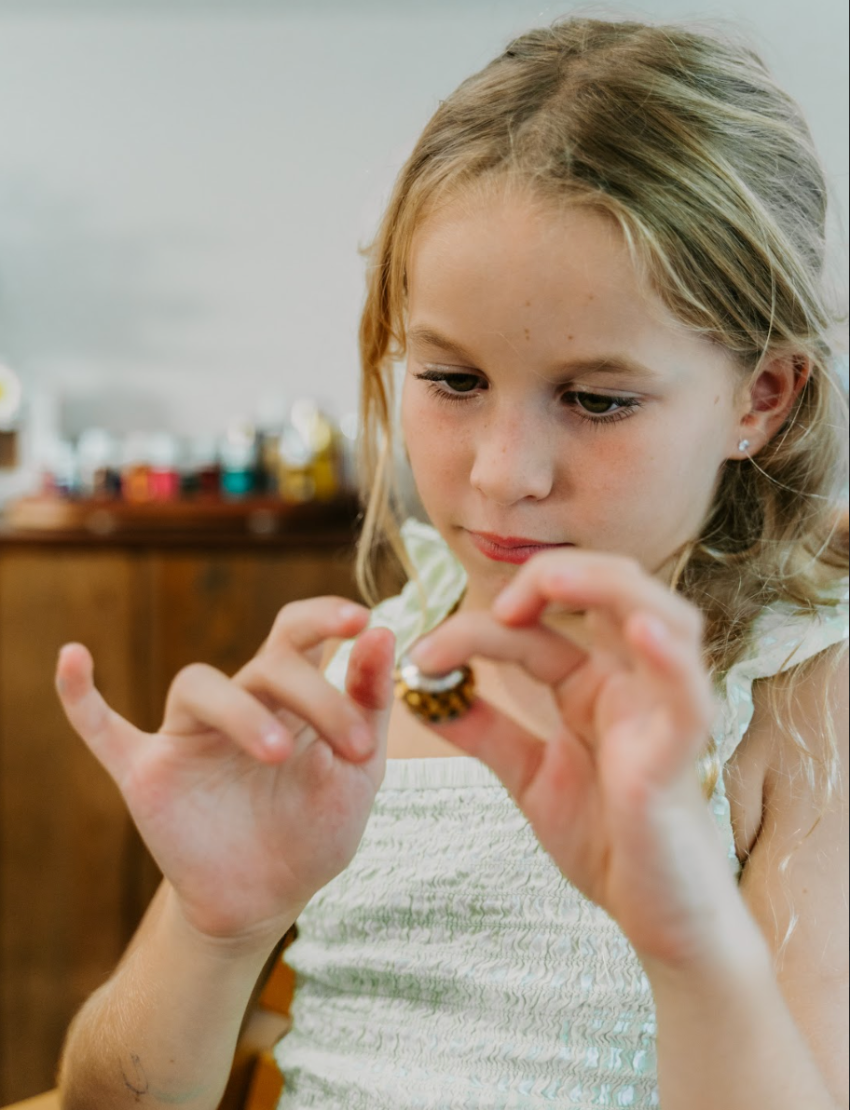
[(727, 1040), (162, 1032)]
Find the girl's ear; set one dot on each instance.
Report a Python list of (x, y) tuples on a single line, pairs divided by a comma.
[(768, 399)]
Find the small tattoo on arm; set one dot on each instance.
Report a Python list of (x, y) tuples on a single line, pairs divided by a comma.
[(137, 1082)]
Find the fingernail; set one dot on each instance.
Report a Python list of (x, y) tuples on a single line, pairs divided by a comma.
[(505, 603), (276, 741), (657, 630), (360, 739), (349, 612)]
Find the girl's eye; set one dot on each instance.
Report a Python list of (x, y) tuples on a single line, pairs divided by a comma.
[(599, 408), (594, 408), (594, 403), (450, 385)]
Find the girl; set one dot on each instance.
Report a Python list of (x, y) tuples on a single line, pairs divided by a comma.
[(603, 265)]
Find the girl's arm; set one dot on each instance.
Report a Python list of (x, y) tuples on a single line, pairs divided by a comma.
[(232, 797), (771, 1029), (162, 1031), (613, 797)]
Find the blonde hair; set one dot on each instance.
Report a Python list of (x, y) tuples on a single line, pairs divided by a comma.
[(710, 171)]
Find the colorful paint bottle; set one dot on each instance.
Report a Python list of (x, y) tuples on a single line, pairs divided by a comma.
[(164, 476), (135, 469), (238, 457)]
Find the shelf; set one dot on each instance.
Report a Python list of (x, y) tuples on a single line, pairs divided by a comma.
[(200, 522)]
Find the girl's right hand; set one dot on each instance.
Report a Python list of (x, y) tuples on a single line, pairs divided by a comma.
[(256, 790)]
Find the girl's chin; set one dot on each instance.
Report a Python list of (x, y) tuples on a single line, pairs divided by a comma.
[(482, 588)]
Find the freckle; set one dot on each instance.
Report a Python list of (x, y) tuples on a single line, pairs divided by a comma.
[(528, 304), (717, 399), (527, 334), (569, 337)]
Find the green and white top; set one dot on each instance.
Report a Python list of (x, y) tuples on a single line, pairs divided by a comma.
[(451, 966)]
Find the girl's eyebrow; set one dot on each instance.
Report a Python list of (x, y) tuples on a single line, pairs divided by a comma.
[(601, 364), (423, 334)]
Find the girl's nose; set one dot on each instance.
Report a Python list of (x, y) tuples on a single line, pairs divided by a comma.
[(513, 461)]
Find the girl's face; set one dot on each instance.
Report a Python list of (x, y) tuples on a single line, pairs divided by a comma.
[(550, 397)]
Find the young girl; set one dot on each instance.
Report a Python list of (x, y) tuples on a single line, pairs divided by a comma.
[(603, 266)]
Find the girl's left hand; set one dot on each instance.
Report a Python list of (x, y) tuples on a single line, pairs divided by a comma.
[(614, 796)]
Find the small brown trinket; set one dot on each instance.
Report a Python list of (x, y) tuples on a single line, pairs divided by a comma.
[(434, 698)]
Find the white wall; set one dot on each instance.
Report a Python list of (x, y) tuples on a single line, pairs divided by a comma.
[(184, 185)]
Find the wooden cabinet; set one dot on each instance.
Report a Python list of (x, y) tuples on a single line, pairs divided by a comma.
[(74, 876)]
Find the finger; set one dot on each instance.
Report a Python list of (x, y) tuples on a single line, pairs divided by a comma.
[(306, 625), (588, 580), (105, 732), (288, 682), (606, 635), (577, 698), (547, 655), (509, 750), (203, 698), (679, 673), (369, 681), (658, 737)]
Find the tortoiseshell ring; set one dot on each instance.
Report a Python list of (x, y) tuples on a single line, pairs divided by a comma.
[(434, 697)]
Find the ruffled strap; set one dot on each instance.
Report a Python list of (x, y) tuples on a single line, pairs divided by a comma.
[(424, 602), (782, 637)]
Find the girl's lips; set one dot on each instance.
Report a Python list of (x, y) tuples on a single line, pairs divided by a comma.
[(510, 549)]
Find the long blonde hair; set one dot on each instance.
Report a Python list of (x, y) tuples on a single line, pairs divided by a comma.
[(710, 171)]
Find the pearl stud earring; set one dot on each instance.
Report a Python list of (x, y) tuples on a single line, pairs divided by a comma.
[(744, 445)]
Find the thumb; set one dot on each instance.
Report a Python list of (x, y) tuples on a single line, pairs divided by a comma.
[(105, 732), (512, 752)]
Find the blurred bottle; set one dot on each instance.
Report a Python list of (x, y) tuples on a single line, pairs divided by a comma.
[(164, 474), (97, 460), (295, 475), (61, 475), (201, 471), (271, 420), (238, 456), (136, 468), (349, 427), (317, 431), (11, 394)]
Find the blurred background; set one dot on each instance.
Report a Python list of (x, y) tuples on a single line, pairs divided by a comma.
[(185, 186)]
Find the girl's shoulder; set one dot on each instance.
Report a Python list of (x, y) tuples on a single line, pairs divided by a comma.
[(782, 637), (784, 634)]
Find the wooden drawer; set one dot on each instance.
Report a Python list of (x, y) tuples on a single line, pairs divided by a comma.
[(74, 876)]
